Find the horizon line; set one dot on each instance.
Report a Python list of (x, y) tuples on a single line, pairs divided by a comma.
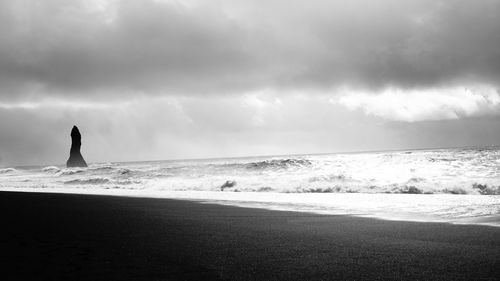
[(272, 155)]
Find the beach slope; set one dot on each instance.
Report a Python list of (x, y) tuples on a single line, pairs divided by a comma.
[(84, 237)]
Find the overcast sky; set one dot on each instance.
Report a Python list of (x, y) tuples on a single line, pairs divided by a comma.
[(166, 79)]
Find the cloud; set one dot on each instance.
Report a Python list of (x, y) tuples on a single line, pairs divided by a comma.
[(259, 123), (182, 127), (148, 47), (108, 49), (160, 79), (430, 104)]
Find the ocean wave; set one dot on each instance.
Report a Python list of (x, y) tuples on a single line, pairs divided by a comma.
[(475, 189), (259, 189), (432, 159), (87, 181), (322, 190), (101, 168), (156, 175), (277, 164), (404, 173), (124, 171), (7, 170), (411, 190), (127, 182), (328, 178), (71, 171), (129, 172), (484, 189), (50, 169)]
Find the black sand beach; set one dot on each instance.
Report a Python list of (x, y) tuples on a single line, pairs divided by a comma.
[(82, 237)]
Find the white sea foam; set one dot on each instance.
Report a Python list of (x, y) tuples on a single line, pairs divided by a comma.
[(88, 181), (51, 169), (440, 185), (7, 170)]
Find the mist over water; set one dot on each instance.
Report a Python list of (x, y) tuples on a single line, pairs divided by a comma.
[(460, 184)]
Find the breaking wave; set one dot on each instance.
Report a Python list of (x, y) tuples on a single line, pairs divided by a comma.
[(102, 168), (71, 171), (486, 190), (51, 169), (453, 171), (7, 170), (88, 181), (278, 164), (475, 189), (124, 171), (449, 183)]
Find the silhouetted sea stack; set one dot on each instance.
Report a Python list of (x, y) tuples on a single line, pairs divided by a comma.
[(75, 157)]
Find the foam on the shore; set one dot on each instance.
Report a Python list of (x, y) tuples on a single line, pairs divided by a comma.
[(452, 185), (462, 209)]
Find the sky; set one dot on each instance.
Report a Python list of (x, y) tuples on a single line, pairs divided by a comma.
[(166, 79)]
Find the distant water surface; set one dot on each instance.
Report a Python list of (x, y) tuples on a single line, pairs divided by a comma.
[(460, 185)]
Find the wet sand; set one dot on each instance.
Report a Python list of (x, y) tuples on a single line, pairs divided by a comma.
[(86, 237)]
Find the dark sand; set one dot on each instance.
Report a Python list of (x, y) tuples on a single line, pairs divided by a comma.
[(81, 237)]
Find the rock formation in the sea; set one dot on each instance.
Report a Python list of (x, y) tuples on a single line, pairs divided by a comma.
[(75, 157), (227, 184)]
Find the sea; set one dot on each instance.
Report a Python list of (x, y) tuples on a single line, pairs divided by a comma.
[(454, 185)]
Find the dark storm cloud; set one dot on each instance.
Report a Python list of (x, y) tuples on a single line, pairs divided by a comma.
[(110, 48), (146, 46), (163, 79)]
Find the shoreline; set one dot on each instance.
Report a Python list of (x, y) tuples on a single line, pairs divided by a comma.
[(99, 237), (294, 202)]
